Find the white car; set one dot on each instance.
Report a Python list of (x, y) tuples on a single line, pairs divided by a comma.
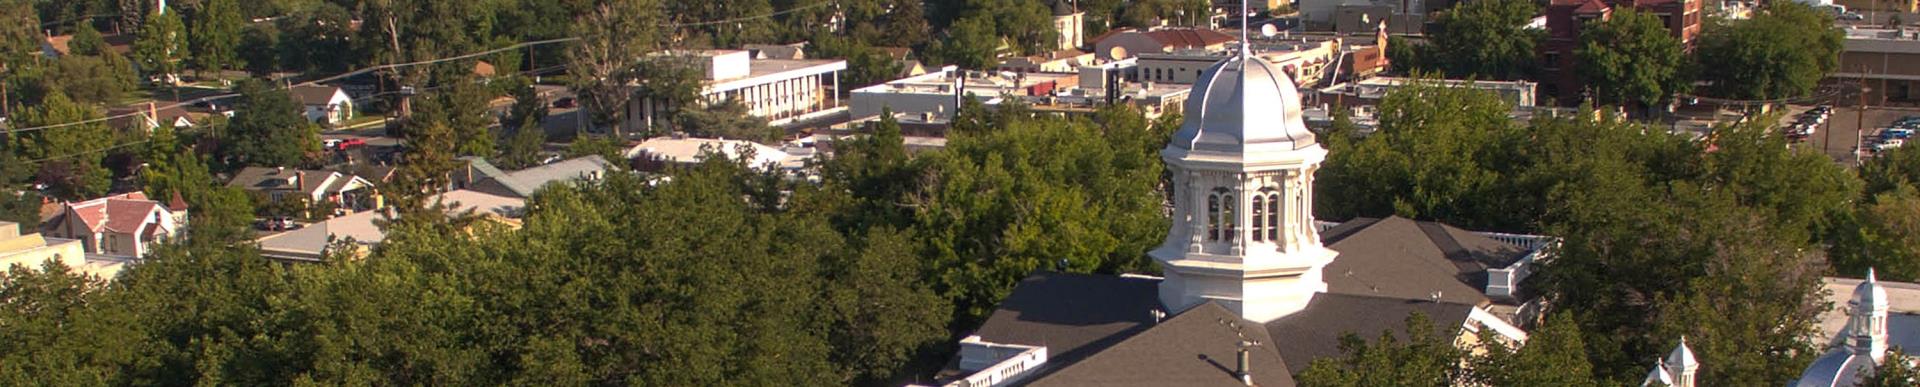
[(1889, 144)]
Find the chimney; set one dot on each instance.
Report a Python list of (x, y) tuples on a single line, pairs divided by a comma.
[(1243, 370)]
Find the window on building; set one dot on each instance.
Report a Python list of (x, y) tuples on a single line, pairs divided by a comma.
[(1273, 217), (1259, 218), (1213, 217), (1227, 217)]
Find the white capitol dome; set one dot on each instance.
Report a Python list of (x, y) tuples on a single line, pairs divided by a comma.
[(1243, 104)]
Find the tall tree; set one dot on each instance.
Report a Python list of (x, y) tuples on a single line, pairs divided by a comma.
[(161, 45), (1484, 40), (466, 104), (970, 43), (1437, 155), (268, 129), (1631, 58), (729, 119), (68, 156), (217, 30), (1554, 355), (614, 37), (1782, 51)]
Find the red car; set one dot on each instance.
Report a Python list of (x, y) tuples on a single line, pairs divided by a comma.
[(352, 143)]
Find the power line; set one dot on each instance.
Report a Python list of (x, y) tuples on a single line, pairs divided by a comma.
[(408, 64)]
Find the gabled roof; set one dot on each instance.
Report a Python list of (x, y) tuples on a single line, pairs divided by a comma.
[(1398, 257), (1592, 6), (523, 183), (1198, 347), (307, 181), (1073, 315), (124, 213), (1315, 332), (314, 94), (1188, 37)]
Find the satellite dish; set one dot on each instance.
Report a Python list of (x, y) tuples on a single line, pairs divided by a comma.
[(1117, 52), (1267, 30)]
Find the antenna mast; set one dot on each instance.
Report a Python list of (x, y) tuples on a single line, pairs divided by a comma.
[(1246, 44)]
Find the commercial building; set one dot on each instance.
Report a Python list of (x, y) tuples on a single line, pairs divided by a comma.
[(1888, 60), (1368, 91), (783, 91), (1305, 58), (1127, 42), (939, 93), (32, 250), (1567, 18)]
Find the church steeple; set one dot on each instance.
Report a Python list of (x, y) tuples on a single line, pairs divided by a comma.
[(1243, 165)]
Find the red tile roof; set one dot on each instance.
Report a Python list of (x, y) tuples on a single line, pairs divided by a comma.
[(123, 213), (127, 216), (177, 203), (1188, 37), (1592, 6)]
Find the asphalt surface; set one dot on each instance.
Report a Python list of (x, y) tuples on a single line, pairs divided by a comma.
[(1846, 126)]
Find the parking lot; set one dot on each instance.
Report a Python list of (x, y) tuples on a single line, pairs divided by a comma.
[(1847, 125)]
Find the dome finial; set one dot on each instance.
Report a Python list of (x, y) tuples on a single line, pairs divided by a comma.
[(1870, 277), (1246, 44)]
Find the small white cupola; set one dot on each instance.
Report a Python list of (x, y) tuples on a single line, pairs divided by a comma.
[(1867, 322), (1681, 365), (1242, 166)]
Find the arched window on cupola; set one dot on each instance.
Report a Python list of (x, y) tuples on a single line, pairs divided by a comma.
[(1273, 217), (1259, 218), (1213, 217), (1227, 217)]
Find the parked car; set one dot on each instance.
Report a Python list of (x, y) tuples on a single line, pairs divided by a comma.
[(565, 103), (1852, 16), (352, 143), (1897, 133), (330, 144), (1888, 144), (278, 223)]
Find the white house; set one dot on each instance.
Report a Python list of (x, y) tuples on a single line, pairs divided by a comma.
[(326, 105), (120, 225)]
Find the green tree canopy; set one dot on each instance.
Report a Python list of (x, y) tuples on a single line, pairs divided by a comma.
[(161, 44), (268, 129), (1782, 51), (216, 36), (1631, 58), (1482, 39)]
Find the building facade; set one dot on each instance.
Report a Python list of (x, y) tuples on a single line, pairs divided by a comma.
[(1567, 18), (1887, 60), (120, 225), (782, 91)]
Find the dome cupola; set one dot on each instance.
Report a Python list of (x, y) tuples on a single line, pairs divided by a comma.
[(1243, 104)]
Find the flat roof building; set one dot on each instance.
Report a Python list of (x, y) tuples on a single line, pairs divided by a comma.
[(1888, 59), (783, 91)]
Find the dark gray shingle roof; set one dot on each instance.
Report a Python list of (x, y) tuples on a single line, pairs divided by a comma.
[(1315, 332), (1398, 257), (1199, 347), (1072, 314)]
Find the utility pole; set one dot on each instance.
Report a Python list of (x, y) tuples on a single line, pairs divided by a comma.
[(1860, 121)]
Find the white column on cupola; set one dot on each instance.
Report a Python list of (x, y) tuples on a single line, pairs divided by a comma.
[(1243, 143)]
